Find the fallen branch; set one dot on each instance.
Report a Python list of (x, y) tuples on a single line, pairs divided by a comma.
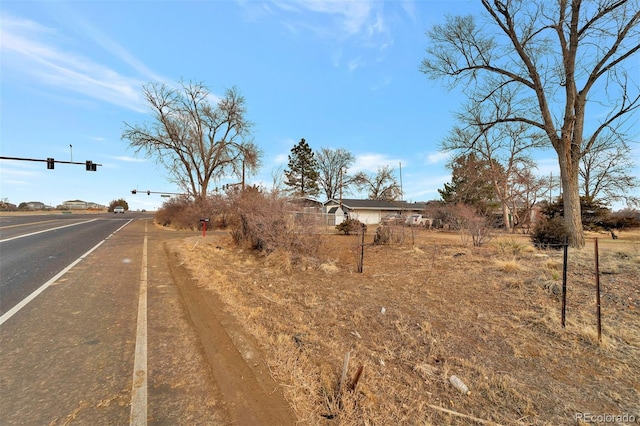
[(343, 378), (356, 379), (464, 416)]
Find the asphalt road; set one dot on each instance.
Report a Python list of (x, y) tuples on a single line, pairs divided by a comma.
[(33, 249), (108, 342), (116, 336)]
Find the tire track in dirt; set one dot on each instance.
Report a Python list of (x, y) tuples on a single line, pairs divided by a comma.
[(250, 395)]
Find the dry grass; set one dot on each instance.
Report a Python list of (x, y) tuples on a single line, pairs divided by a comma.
[(423, 311)]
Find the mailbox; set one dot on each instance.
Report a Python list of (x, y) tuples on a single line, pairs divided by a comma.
[(204, 221)]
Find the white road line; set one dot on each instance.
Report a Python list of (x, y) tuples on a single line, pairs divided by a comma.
[(46, 230), (11, 312), (138, 415)]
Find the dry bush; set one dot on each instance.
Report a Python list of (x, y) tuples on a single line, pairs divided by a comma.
[(183, 212), (509, 265), (351, 226), (268, 224), (392, 233), (471, 224), (512, 247)]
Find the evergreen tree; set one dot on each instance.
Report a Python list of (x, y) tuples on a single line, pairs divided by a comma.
[(302, 175), (471, 183)]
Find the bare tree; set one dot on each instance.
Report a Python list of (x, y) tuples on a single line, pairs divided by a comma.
[(525, 189), (381, 186), (332, 168), (605, 172), (552, 59), (197, 142), (277, 182), (505, 149)]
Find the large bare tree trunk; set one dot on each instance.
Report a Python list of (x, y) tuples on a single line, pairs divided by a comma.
[(506, 219), (571, 200)]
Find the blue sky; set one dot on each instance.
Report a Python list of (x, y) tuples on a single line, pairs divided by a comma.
[(341, 74)]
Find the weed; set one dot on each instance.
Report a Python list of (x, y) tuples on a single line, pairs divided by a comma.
[(448, 310)]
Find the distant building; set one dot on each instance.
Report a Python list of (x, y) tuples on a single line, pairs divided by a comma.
[(370, 211), (7, 207), (33, 205), (75, 205), (80, 205)]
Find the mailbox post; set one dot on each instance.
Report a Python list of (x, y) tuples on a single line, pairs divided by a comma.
[(203, 221)]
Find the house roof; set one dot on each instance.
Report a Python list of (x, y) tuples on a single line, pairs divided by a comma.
[(352, 203), (306, 201)]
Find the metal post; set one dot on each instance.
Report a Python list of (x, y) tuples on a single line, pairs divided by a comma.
[(598, 293), (564, 280), (361, 263)]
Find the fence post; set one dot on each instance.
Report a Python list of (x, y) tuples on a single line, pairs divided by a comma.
[(564, 280), (598, 293), (361, 263)]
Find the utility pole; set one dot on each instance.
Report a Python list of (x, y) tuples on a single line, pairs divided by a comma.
[(340, 188), (401, 190), (243, 175)]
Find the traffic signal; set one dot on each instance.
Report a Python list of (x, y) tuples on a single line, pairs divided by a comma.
[(90, 166), (148, 192), (134, 191), (51, 163)]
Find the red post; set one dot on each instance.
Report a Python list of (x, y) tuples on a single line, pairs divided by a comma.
[(204, 228)]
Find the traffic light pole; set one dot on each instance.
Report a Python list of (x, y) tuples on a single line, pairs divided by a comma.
[(90, 165), (135, 191)]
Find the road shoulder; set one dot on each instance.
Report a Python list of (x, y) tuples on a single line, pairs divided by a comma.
[(250, 393)]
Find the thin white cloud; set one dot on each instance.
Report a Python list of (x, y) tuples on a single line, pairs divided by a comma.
[(355, 25), (130, 159), (33, 50), (355, 63), (372, 162), (437, 157), (19, 175), (349, 17), (382, 83), (281, 159), (99, 38), (547, 166)]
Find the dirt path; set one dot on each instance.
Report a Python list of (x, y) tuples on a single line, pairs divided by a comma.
[(249, 393)]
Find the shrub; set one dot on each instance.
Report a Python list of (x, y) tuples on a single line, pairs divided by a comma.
[(351, 226), (549, 233), (120, 202), (471, 223), (267, 224), (183, 212), (383, 235)]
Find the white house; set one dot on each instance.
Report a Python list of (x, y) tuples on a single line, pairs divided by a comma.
[(370, 211)]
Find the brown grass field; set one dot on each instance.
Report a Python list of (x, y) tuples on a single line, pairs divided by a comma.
[(429, 307)]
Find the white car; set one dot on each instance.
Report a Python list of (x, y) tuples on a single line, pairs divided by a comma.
[(417, 220), (118, 209)]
